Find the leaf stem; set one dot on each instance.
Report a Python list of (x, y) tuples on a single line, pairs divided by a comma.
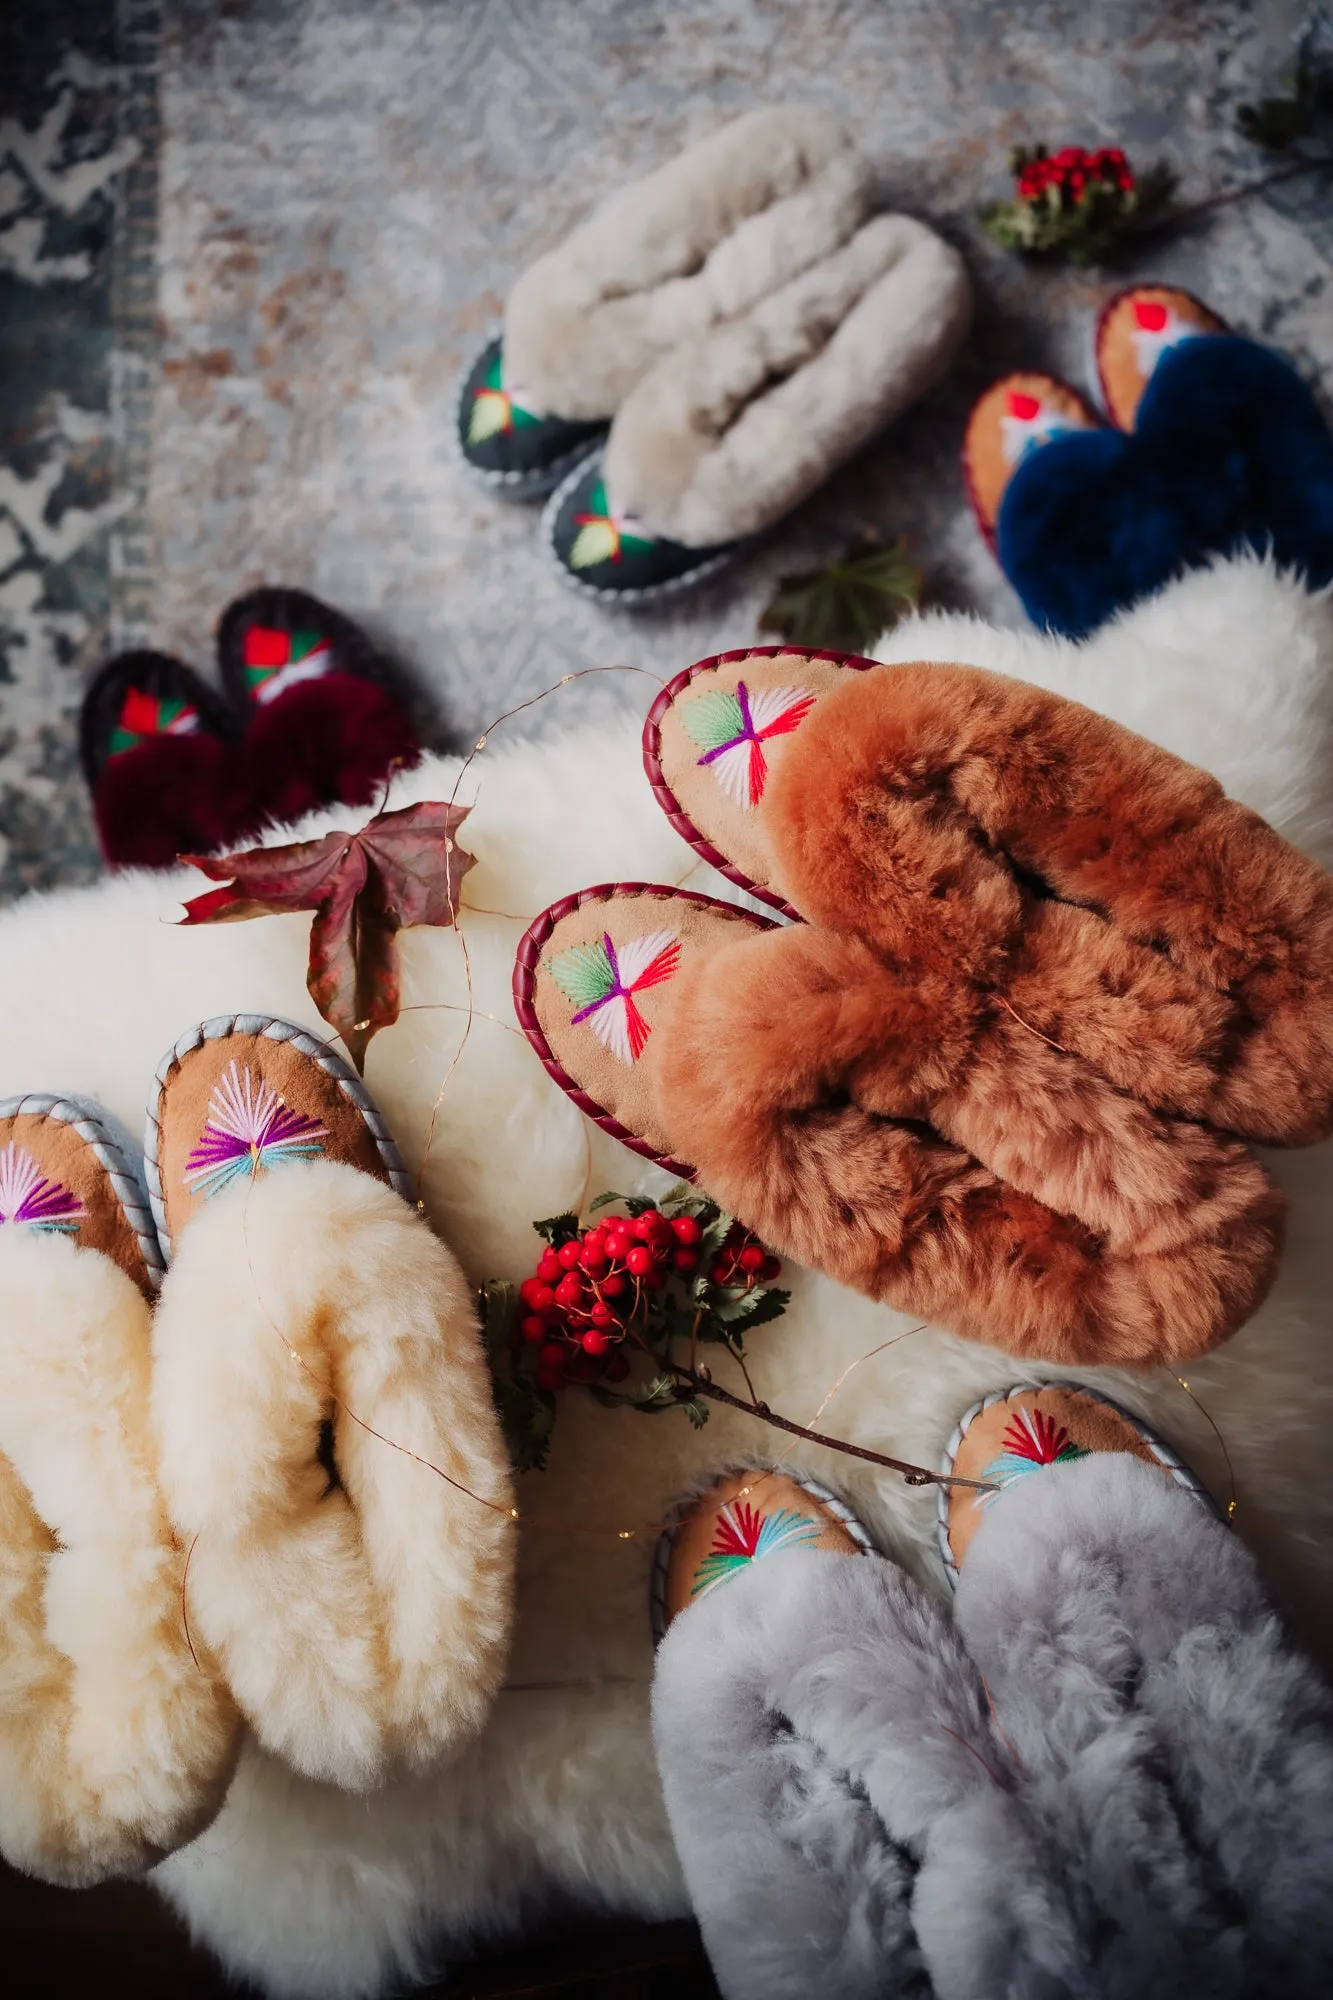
[(1168, 217)]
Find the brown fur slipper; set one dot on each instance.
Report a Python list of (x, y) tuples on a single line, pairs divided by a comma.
[(1017, 1431), (1135, 329), (1016, 415), (116, 1742), (329, 1444), (741, 1519)]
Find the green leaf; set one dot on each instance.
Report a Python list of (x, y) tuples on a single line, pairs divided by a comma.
[(697, 1412), (527, 1418), (1275, 122), (603, 1201), (848, 605), (558, 1229), (756, 1308)]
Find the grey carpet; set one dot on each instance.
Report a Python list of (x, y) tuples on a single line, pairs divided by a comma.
[(339, 192)]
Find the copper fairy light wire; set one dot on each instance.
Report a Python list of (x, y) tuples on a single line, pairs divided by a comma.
[(1212, 1425)]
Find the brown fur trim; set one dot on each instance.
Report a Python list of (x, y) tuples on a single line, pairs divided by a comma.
[(895, 1129), (1188, 952)]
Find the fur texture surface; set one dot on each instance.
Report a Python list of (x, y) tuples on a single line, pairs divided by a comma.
[(704, 238), (115, 1745), (332, 739), (176, 795), (731, 429), (1229, 450), (1111, 1775), (315, 1891), (364, 1626)]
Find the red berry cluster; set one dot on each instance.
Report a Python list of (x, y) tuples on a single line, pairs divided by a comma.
[(1072, 172), (585, 1294)]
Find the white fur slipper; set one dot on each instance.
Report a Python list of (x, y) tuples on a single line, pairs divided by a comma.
[(328, 1443), (116, 1743)]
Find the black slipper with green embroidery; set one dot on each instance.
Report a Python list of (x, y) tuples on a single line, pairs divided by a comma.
[(160, 757), (326, 714), (515, 450), (611, 556)]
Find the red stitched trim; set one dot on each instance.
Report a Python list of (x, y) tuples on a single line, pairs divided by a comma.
[(666, 798), (527, 959), (1126, 292)]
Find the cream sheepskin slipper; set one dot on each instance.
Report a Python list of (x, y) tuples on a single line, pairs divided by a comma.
[(116, 1743), (328, 1444)]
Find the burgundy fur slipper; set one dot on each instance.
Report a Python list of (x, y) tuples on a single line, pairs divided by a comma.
[(162, 765), (324, 721)]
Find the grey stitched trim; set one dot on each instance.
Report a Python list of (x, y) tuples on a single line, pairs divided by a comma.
[(115, 1154), (534, 484), (653, 593), (305, 1044), (666, 1541), (1182, 1474)]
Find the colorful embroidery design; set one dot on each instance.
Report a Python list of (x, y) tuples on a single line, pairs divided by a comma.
[(249, 1130), (732, 729), (1157, 328), (144, 715), (30, 1200), (1031, 1440), (603, 535), (497, 409), (603, 979), (743, 1535), (275, 661), (1029, 423)]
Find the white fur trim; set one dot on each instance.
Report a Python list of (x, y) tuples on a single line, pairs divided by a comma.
[(357, 1628), (704, 238), (732, 429), (115, 1747)]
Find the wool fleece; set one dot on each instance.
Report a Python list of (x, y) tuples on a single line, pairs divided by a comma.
[(310, 1891)]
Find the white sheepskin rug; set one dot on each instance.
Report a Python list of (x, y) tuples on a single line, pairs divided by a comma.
[(308, 1891)]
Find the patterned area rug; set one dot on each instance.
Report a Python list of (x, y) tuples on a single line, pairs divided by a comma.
[(260, 388)]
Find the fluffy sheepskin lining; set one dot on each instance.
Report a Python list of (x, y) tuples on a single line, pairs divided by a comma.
[(115, 1746), (705, 237), (361, 1623), (734, 427)]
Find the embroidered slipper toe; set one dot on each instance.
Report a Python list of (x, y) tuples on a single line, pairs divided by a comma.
[(712, 740), (745, 1517), (1016, 417), (508, 444), (159, 756), (589, 983), (116, 1740), (1017, 1431), (326, 717), (1135, 329), (328, 1440), (610, 554)]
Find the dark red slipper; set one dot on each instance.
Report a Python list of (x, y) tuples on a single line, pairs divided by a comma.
[(324, 717), (159, 753)]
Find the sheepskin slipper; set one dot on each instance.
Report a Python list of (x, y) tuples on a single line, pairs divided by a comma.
[(741, 1520), (886, 1123), (1014, 1432), (1229, 451), (1016, 416), (518, 452), (1135, 328), (116, 1739), (328, 1444), (159, 756), (325, 720)]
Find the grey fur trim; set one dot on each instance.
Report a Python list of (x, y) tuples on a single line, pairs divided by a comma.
[(116, 1153), (1185, 1477), (305, 1044)]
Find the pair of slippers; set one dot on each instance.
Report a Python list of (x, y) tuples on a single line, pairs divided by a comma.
[(250, 1467), (311, 714), (1210, 444), (1039, 983), (704, 350)]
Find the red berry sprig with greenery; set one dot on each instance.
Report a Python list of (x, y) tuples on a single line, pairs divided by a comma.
[(1076, 203)]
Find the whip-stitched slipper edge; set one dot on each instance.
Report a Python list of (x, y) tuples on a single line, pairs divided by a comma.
[(527, 962), (305, 1044), (666, 798), (1094, 368), (1181, 1473), (515, 486), (117, 1154), (627, 600), (683, 1509)]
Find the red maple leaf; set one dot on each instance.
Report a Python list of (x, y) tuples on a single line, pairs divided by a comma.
[(402, 868)]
